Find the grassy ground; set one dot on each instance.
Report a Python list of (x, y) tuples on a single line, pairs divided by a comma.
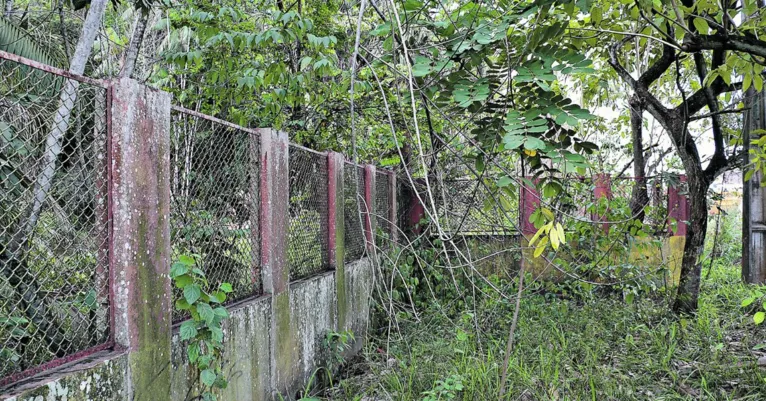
[(595, 349)]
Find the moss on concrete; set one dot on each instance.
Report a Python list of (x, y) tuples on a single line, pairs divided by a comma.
[(102, 382)]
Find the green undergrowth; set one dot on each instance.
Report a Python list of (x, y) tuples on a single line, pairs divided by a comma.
[(600, 348)]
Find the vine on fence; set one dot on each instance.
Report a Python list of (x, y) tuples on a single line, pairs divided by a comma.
[(202, 333)]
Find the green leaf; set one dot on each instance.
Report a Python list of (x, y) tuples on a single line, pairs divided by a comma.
[(226, 287), (205, 312), (701, 25), (192, 293), (747, 301), (412, 5), (504, 181), (183, 280), (218, 297), (186, 260), (181, 304), (192, 351), (759, 317), (382, 29), (513, 141), (207, 377), (221, 312), (178, 269), (188, 330), (533, 143)]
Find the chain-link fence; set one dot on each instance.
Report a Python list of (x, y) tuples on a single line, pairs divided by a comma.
[(474, 207), (307, 241), (215, 200), (383, 208), (54, 218), (353, 194)]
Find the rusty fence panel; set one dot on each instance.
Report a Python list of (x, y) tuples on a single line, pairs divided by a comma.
[(215, 200), (54, 218), (353, 232), (307, 234)]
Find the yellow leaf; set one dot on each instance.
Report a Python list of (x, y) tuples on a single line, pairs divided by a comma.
[(562, 235), (554, 236), (536, 236), (530, 153), (541, 247)]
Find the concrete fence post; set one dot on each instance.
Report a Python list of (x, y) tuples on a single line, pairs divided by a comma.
[(368, 211), (336, 231), (754, 195), (140, 146), (392, 213), (530, 201), (678, 209), (274, 223), (603, 189)]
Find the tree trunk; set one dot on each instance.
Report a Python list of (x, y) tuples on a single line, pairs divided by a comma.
[(134, 47), (639, 197), (696, 229)]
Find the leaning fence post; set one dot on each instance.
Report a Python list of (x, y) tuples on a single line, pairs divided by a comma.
[(140, 148), (603, 189), (369, 207), (274, 222)]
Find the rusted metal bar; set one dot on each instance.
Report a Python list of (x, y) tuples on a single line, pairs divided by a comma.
[(53, 70)]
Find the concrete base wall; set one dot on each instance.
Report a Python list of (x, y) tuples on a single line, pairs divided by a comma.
[(100, 377), (248, 356), (667, 252)]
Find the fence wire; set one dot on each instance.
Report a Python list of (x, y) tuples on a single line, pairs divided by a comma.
[(215, 201), (469, 207), (54, 227), (307, 241), (383, 208), (353, 193)]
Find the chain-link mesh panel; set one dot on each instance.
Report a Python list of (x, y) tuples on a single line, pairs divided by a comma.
[(353, 233), (215, 201), (307, 246), (383, 208), (54, 226), (576, 202), (489, 254), (470, 207)]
